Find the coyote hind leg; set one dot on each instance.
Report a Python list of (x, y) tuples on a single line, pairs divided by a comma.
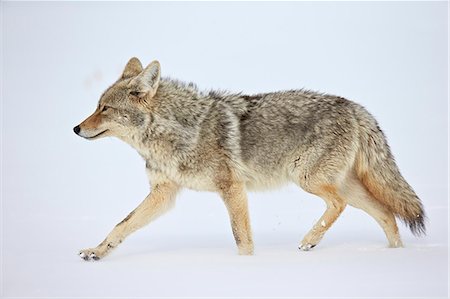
[(335, 206), (359, 197)]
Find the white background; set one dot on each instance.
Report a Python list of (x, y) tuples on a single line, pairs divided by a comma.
[(61, 193)]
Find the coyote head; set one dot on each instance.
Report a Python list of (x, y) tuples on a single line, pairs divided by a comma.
[(124, 107)]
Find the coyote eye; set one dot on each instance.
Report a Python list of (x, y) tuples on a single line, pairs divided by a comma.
[(135, 93), (105, 108)]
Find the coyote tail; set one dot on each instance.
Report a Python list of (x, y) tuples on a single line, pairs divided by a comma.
[(376, 168)]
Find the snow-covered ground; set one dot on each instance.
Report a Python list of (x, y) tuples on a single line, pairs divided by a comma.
[(61, 193), (194, 255)]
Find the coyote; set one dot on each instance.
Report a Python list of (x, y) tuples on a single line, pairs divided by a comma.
[(230, 143)]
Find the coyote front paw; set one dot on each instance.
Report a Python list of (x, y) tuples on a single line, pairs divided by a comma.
[(306, 247), (246, 249), (91, 254)]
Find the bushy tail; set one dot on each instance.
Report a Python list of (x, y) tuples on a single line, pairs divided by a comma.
[(376, 168)]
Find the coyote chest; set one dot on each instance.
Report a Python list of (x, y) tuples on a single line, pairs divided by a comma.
[(177, 168), (195, 181)]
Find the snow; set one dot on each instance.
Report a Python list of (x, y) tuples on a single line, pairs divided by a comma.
[(195, 256), (61, 194)]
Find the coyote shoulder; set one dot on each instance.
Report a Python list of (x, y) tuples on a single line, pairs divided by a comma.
[(230, 143)]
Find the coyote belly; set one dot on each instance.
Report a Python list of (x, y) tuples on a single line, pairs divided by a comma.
[(231, 143)]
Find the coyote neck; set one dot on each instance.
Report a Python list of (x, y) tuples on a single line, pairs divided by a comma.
[(172, 129)]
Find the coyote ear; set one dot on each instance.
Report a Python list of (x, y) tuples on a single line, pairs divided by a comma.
[(133, 68), (148, 80)]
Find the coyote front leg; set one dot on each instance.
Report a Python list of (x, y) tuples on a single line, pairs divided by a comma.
[(160, 200), (235, 199)]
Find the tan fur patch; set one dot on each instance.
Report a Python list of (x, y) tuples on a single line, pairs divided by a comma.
[(335, 206), (235, 199), (93, 121)]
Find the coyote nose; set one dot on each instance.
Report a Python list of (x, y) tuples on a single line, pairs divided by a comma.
[(77, 129)]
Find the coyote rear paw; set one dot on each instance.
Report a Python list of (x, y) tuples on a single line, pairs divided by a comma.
[(92, 254), (306, 247)]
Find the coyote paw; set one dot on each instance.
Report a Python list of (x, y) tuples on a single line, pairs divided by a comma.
[(247, 250), (90, 254), (306, 247)]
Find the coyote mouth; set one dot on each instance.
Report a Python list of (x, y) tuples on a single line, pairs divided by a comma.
[(97, 135)]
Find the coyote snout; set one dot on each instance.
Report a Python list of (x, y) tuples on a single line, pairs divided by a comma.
[(93, 127), (76, 129), (229, 143)]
